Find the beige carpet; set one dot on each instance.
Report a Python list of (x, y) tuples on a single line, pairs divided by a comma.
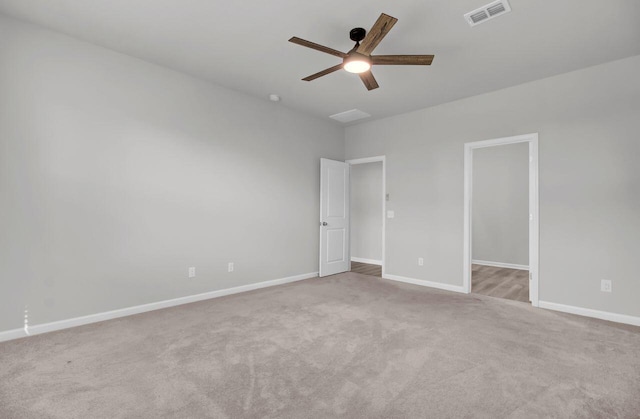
[(347, 346)]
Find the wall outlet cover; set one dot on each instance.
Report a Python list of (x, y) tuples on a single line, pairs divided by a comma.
[(605, 285), (192, 272)]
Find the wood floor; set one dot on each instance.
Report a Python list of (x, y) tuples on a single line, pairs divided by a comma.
[(512, 284), (366, 269)]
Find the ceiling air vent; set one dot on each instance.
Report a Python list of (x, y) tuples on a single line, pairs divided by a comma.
[(479, 17), (487, 12), (350, 116), (496, 9)]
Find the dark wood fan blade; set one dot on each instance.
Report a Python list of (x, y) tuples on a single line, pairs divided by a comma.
[(402, 59), (323, 72), (379, 30), (317, 47), (368, 80)]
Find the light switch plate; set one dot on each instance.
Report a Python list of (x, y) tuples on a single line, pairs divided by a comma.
[(391, 214)]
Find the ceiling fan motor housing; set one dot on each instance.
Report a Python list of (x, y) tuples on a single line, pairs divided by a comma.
[(356, 56)]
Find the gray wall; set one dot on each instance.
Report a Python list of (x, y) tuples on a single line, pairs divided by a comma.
[(589, 181), (116, 175), (500, 206), (366, 211)]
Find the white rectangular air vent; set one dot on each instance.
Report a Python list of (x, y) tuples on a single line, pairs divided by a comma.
[(487, 12), (350, 116)]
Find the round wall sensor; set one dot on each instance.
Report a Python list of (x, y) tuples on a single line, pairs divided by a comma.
[(274, 98)]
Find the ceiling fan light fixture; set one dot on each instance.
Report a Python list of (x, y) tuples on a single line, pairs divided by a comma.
[(357, 63)]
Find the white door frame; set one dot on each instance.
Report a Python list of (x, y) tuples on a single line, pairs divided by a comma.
[(384, 198), (534, 232)]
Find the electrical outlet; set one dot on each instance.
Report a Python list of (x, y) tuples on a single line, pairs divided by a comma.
[(230, 267), (420, 261), (192, 272), (605, 285)]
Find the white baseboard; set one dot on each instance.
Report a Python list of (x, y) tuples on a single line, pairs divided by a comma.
[(12, 334), (369, 261), (425, 283), (603, 315), (500, 264), (108, 315)]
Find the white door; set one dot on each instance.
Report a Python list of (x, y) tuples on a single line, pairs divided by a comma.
[(334, 217)]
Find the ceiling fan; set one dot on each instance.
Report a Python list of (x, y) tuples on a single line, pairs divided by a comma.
[(359, 60)]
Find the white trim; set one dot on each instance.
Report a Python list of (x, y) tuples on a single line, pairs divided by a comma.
[(375, 159), (12, 334), (123, 312), (503, 141), (425, 283), (500, 264), (534, 224), (369, 261), (588, 312), (364, 160), (534, 231)]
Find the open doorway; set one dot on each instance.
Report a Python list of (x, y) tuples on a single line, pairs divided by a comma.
[(367, 204), (500, 222), (501, 218)]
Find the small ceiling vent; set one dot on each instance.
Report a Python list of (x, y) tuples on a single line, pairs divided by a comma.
[(487, 12), (350, 116)]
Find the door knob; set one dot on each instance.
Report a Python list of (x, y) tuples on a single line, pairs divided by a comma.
[(324, 223)]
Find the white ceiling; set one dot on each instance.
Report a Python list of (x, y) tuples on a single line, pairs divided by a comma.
[(243, 44)]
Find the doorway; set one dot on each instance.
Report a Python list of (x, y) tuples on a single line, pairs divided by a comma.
[(367, 215), (501, 218), (500, 222)]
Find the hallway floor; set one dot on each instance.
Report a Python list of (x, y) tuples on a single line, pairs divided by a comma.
[(512, 284), (366, 269)]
